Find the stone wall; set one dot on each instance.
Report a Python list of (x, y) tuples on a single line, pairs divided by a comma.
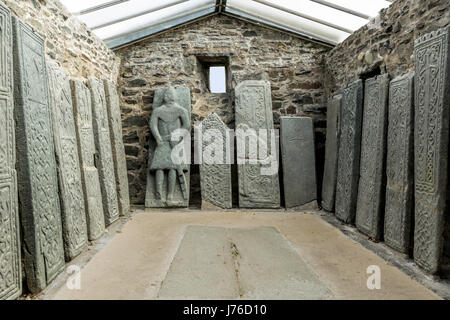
[(179, 57), (386, 45), (68, 41)]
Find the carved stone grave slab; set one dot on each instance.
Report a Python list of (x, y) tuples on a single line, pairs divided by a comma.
[(37, 177), (299, 165), (399, 164), (171, 111), (331, 153), (118, 150), (104, 158), (68, 163), (349, 152), (11, 268), (258, 178), (372, 190), (82, 108), (215, 170), (432, 104)]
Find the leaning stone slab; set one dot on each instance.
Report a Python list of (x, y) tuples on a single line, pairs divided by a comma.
[(371, 190), (258, 178), (82, 108), (68, 163), (299, 165), (104, 160), (118, 150), (432, 104), (215, 169), (171, 111), (11, 268), (399, 164), (331, 153), (349, 152), (38, 184)]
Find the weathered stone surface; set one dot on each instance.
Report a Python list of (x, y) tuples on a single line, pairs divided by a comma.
[(431, 99), (399, 164), (331, 153), (104, 157), (257, 189), (118, 150), (168, 183), (68, 164), (38, 185), (298, 156), (215, 170), (371, 189), (82, 108), (10, 270), (349, 152)]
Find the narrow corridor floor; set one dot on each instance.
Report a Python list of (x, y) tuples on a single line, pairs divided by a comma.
[(231, 263), (235, 254)]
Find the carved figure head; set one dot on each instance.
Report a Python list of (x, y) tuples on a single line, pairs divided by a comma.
[(169, 95)]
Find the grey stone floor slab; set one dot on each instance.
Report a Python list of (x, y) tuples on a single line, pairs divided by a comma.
[(248, 263)]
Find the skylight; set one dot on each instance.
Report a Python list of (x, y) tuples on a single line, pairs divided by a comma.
[(120, 22)]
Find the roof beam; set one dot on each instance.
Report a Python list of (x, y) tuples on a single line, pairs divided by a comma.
[(114, 21), (175, 22), (99, 7), (304, 16), (343, 9), (239, 14)]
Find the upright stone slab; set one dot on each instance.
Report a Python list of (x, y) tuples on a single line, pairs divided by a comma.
[(349, 152), (37, 178), (399, 164), (215, 169), (104, 157), (68, 163), (118, 150), (299, 164), (168, 182), (372, 187), (258, 182), (82, 108), (331, 153), (432, 103), (10, 263)]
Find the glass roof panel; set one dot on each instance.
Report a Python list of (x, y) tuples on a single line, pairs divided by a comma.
[(152, 18), (287, 20), (128, 9), (80, 5), (317, 19)]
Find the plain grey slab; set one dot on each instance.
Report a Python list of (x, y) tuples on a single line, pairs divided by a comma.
[(432, 99), (299, 164), (331, 153), (215, 178), (118, 150), (82, 108), (183, 98), (104, 158), (372, 180), (349, 152), (254, 112), (37, 177), (203, 267), (68, 164), (10, 258), (400, 164), (232, 263)]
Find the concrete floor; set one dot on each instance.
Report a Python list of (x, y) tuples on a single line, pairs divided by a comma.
[(165, 254)]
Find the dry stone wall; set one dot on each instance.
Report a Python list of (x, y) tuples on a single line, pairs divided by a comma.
[(67, 40), (179, 57)]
